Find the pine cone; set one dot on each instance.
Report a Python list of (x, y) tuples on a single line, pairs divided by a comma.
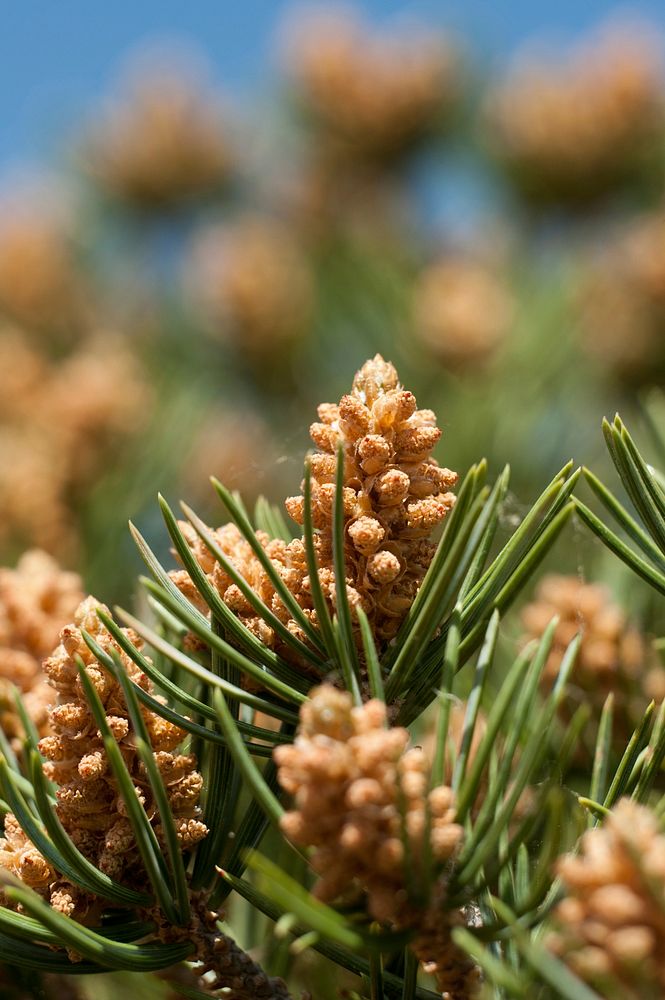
[(395, 495), (462, 312), (611, 925), (359, 791), (36, 600), (372, 96), (90, 806), (602, 107), (162, 143), (612, 656)]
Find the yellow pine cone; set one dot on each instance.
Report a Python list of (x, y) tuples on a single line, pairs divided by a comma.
[(360, 792), (462, 311), (347, 771), (252, 278), (89, 804), (374, 94), (395, 495), (162, 142), (222, 446), (575, 130), (60, 423), (612, 657), (37, 598), (620, 300), (610, 927), (42, 287)]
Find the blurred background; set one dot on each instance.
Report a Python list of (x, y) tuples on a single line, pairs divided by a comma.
[(209, 218), (212, 214)]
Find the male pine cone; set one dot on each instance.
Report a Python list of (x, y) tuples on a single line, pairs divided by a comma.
[(395, 495), (89, 804), (610, 926)]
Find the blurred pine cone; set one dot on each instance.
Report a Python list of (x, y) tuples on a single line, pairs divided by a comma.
[(610, 927), (462, 312), (372, 95), (578, 130), (161, 142), (613, 656)]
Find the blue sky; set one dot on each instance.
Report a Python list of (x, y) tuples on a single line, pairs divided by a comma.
[(56, 56)]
